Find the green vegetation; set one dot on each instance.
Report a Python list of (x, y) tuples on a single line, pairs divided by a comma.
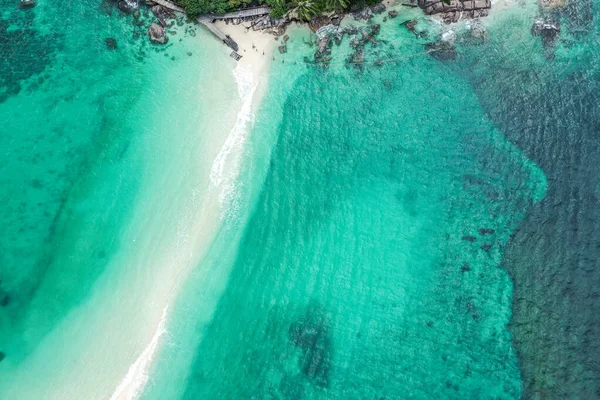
[(196, 7), (304, 9)]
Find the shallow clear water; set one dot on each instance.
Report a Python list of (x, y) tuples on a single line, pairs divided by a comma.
[(420, 229), (106, 157), (368, 268)]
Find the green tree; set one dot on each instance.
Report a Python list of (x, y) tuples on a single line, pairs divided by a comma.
[(333, 5), (306, 9), (278, 7)]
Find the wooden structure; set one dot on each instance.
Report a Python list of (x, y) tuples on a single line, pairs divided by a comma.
[(208, 21), (245, 14), (226, 39), (169, 5)]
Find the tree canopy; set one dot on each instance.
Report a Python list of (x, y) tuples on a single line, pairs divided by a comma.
[(305, 9)]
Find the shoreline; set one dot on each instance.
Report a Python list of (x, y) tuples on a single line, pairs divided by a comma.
[(249, 74), (256, 49)]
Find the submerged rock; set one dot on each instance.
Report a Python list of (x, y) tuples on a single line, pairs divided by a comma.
[(27, 3), (469, 238), (443, 50), (157, 34), (311, 334), (478, 33), (357, 58), (323, 45), (410, 25), (2, 355), (393, 14), (111, 43), (549, 30)]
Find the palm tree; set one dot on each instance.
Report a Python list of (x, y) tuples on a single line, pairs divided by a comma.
[(336, 4), (306, 9)]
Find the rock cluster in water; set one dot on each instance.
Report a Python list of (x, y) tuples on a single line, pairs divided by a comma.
[(453, 10), (332, 34), (156, 31)]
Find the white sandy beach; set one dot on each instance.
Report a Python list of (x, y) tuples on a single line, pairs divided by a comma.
[(250, 74), (256, 49)]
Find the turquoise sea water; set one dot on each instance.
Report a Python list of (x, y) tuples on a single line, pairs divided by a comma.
[(363, 253), (368, 268), (105, 157)]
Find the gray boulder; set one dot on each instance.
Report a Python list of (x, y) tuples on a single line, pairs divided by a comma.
[(127, 6), (27, 3), (157, 34)]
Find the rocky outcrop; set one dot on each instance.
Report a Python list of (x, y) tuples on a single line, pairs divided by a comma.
[(455, 9), (320, 21), (127, 6), (368, 12), (410, 25), (157, 34), (547, 28), (162, 12), (27, 3), (328, 35), (551, 4), (549, 31), (378, 8)]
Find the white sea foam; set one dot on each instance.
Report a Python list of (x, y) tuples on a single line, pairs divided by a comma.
[(226, 165), (137, 376)]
